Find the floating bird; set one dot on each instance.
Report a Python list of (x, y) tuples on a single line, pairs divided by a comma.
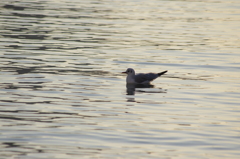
[(141, 78)]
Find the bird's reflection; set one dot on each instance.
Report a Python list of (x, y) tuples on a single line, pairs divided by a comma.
[(132, 87)]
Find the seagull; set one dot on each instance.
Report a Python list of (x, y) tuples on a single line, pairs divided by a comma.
[(141, 78)]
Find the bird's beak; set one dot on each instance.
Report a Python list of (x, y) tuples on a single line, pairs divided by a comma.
[(124, 72)]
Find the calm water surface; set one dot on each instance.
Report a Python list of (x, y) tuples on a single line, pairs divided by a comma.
[(62, 94)]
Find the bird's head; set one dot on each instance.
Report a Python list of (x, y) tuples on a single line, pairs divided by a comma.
[(129, 71)]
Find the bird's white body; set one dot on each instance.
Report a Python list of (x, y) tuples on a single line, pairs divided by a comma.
[(130, 79)]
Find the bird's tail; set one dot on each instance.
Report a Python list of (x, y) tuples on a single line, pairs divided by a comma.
[(161, 73)]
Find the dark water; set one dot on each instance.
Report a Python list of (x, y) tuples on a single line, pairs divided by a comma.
[(63, 95)]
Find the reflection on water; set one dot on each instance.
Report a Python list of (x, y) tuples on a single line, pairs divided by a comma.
[(131, 89), (62, 94)]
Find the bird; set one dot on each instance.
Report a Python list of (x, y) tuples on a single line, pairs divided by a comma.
[(141, 78)]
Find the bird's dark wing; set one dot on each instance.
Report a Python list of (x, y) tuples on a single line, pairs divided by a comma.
[(140, 78), (161, 73)]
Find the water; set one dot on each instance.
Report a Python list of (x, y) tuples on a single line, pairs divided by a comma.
[(63, 95)]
